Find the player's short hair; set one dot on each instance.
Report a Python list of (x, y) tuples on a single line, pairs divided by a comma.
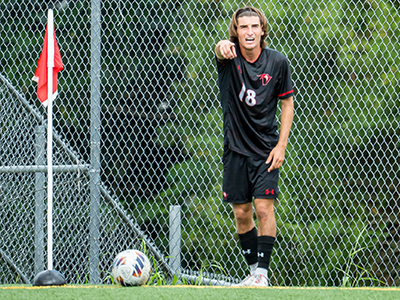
[(248, 11)]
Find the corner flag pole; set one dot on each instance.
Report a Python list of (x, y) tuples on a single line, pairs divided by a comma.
[(50, 66)]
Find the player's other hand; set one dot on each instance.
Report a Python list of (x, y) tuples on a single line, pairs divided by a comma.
[(225, 49), (276, 158)]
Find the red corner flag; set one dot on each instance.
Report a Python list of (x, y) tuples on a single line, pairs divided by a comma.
[(41, 71)]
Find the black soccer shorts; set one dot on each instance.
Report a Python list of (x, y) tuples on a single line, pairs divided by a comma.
[(247, 177)]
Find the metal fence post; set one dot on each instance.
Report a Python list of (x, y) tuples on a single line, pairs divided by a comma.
[(94, 230), (175, 237), (40, 142)]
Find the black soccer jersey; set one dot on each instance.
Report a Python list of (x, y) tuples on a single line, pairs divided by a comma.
[(249, 95)]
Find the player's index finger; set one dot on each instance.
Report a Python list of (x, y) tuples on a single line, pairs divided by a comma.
[(233, 49)]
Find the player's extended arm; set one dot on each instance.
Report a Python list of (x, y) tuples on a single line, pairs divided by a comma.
[(277, 155), (225, 49)]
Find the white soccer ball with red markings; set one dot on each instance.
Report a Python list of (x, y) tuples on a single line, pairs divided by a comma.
[(131, 268)]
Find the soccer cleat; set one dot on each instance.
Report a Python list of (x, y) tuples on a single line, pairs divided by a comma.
[(248, 281), (260, 280)]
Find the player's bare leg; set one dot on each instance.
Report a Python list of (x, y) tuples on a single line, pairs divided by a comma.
[(244, 217), (265, 214)]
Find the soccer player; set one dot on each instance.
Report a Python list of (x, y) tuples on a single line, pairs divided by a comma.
[(252, 77)]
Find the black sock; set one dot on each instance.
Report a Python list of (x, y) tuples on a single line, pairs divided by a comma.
[(248, 241), (265, 247)]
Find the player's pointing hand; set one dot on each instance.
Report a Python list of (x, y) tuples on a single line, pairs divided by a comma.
[(225, 49)]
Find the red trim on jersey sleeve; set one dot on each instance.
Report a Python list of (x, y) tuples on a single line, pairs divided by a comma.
[(284, 94)]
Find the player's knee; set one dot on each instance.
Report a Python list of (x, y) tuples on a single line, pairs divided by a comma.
[(244, 221), (242, 209), (264, 213)]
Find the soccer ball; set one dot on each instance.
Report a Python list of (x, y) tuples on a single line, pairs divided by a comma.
[(131, 268)]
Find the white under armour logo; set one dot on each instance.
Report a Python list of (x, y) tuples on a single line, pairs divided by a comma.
[(248, 251), (260, 254)]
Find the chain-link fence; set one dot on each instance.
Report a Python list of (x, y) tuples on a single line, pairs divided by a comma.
[(145, 71)]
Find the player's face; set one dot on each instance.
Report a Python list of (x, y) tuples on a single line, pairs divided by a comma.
[(249, 32)]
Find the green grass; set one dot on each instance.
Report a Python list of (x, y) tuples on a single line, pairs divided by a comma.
[(98, 292)]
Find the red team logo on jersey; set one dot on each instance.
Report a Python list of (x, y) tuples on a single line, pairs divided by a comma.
[(265, 78)]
